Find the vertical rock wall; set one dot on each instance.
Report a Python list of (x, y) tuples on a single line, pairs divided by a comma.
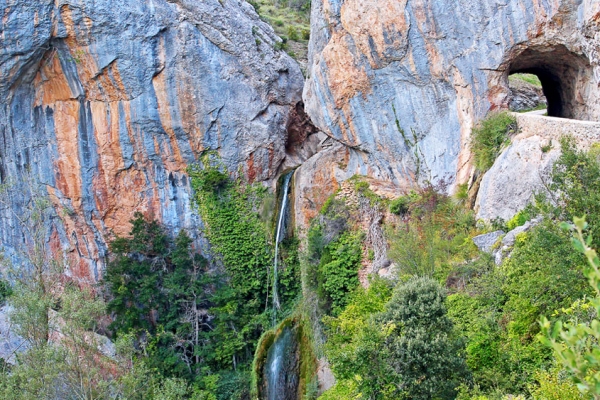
[(400, 83), (105, 103)]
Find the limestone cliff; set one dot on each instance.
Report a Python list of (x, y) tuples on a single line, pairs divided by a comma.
[(400, 83), (106, 103)]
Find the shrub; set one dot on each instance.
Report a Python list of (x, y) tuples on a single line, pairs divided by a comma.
[(292, 33), (489, 136), (519, 219), (338, 269), (400, 205), (576, 186), (424, 355), (406, 350), (575, 344), (305, 34), (5, 291)]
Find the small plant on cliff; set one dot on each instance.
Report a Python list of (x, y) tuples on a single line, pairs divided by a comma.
[(489, 136)]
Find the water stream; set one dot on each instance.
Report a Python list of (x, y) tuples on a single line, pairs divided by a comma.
[(281, 368), (280, 234)]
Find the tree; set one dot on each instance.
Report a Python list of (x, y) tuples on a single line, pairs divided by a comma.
[(425, 356), (61, 356), (159, 291), (406, 351)]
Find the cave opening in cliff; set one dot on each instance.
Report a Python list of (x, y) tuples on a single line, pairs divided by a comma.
[(558, 72)]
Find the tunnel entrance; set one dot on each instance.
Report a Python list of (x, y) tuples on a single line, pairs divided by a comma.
[(561, 74)]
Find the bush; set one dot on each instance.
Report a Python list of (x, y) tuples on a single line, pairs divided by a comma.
[(305, 34), (400, 205), (5, 291), (519, 219), (425, 356), (406, 350), (292, 33), (576, 186), (338, 270), (489, 136)]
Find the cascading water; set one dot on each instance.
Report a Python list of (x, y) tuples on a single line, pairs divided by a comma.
[(281, 367), (278, 238)]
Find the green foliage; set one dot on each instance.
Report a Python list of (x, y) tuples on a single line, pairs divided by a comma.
[(338, 269), (400, 205), (489, 136), (576, 186), (240, 243), (305, 34), (554, 385), (407, 350), (290, 20), (498, 313), (5, 291), (547, 147), (519, 219), (434, 234), (157, 287), (575, 344), (529, 78), (235, 231), (292, 33)]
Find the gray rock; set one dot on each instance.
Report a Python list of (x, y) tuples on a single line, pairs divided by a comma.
[(486, 241), (524, 167), (10, 343), (402, 83), (105, 104)]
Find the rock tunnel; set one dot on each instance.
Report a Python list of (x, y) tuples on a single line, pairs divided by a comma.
[(564, 76)]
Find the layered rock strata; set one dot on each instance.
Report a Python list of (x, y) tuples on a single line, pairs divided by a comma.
[(104, 104)]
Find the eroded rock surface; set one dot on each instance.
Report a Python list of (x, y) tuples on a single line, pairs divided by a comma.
[(401, 83), (107, 102), (524, 167)]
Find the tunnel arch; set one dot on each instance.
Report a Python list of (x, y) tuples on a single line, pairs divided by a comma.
[(563, 75)]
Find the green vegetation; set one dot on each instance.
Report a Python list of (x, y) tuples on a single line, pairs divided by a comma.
[(433, 234), (488, 138), (529, 78), (494, 309), (405, 349), (450, 323), (334, 255), (290, 20), (575, 343)]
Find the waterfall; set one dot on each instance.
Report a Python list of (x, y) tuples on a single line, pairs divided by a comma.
[(278, 238), (282, 367)]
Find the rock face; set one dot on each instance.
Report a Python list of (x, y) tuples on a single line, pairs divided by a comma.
[(524, 167), (400, 84), (107, 102), (525, 96)]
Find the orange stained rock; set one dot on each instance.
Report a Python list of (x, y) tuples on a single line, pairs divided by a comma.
[(80, 236), (68, 168), (50, 82), (173, 161), (346, 79), (118, 191), (371, 21), (186, 96), (250, 170), (464, 109)]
